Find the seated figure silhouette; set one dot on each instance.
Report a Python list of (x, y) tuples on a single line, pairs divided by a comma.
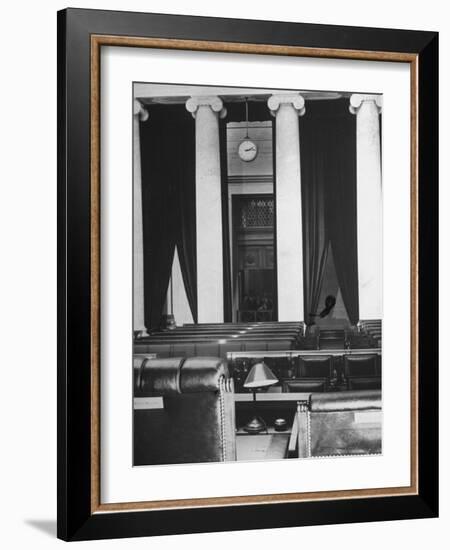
[(330, 302)]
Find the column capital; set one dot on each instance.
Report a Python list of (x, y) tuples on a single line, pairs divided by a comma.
[(212, 101), (140, 111), (356, 100), (296, 100)]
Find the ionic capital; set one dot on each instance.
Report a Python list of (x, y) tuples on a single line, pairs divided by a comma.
[(214, 102), (296, 100), (356, 100), (139, 111)]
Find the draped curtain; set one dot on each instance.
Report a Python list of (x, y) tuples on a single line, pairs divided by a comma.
[(328, 167), (168, 203), (340, 205), (227, 292), (315, 234)]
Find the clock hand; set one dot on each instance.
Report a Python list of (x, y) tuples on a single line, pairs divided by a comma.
[(250, 149)]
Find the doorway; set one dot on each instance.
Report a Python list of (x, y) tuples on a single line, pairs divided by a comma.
[(254, 269)]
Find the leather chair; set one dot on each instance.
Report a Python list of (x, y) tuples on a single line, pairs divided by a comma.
[(364, 383), (361, 365), (337, 424), (197, 420), (314, 366)]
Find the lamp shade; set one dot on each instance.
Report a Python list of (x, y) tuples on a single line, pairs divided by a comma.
[(259, 376)]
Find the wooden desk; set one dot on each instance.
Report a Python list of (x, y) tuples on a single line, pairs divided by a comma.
[(247, 398), (262, 446)]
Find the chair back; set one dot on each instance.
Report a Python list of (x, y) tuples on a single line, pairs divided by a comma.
[(361, 365), (315, 366), (339, 423), (197, 420)]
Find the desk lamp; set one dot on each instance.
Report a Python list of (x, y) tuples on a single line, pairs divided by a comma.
[(260, 376)]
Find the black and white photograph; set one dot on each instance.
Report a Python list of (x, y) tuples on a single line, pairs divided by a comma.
[(224, 236), (257, 274)]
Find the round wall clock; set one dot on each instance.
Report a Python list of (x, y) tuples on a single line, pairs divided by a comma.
[(247, 150)]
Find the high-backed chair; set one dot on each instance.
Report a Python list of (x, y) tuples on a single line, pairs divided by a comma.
[(314, 366), (363, 372), (361, 365), (336, 424), (197, 420)]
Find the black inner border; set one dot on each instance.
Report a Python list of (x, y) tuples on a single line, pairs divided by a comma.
[(75, 521)]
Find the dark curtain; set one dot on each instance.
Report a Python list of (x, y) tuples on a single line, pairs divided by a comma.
[(315, 234), (168, 204), (341, 208), (187, 228), (328, 163), (227, 293)]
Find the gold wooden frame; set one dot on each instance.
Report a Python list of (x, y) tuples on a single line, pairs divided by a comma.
[(97, 41)]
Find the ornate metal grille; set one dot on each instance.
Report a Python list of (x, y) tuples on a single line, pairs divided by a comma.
[(256, 212)]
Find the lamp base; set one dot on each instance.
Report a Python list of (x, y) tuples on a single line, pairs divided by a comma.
[(255, 425)]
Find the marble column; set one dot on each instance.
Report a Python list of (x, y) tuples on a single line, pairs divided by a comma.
[(369, 204), (206, 110), (287, 108), (139, 114)]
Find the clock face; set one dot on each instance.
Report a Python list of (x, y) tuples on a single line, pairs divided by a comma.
[(247, 150)]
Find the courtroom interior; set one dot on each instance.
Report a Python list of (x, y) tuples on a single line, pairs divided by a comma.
[(257, 274)]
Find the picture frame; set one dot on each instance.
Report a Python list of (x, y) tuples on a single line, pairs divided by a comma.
[(81, 35)]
